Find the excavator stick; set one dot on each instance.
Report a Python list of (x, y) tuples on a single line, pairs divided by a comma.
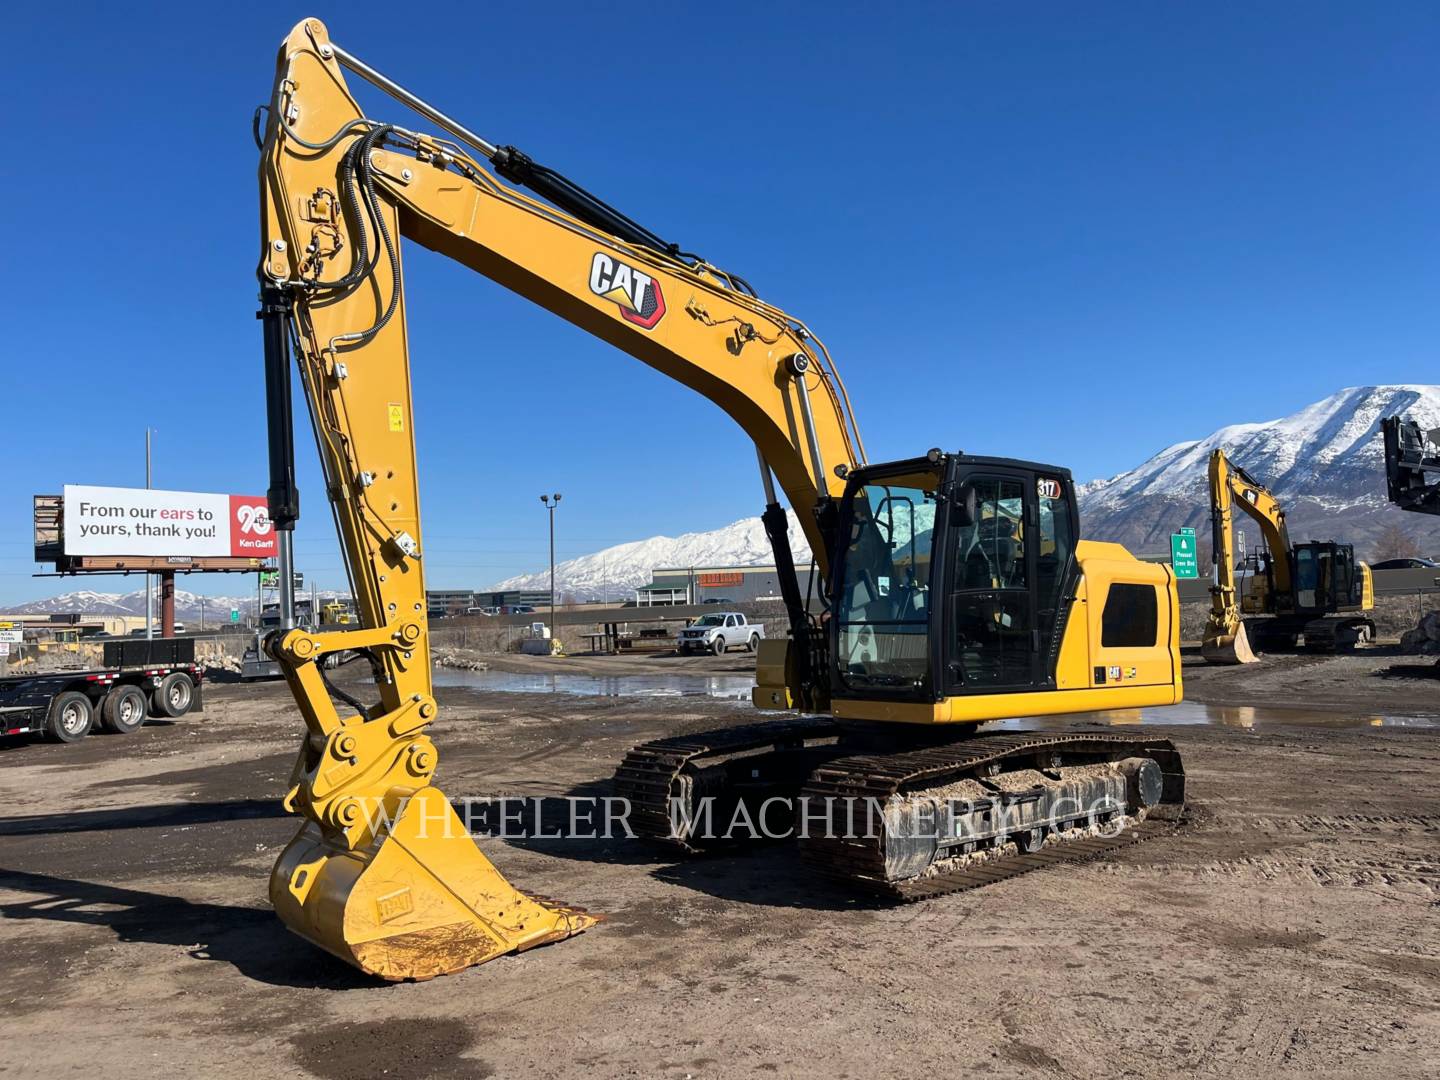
[(1225, 640), (382, 873), (419, 900)]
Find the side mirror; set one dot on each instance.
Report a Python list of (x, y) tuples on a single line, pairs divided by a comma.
[(966, 506)]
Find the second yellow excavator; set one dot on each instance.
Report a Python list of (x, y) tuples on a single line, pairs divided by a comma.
[(1306, 590), (951, 590)]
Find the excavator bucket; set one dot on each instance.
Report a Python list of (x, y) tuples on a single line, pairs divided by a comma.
[(419, 901), (1227, 645)]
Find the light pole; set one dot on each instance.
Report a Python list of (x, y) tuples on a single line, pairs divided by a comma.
[(552, 507)]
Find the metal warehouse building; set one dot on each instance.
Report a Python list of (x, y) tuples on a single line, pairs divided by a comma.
[(696, 584)]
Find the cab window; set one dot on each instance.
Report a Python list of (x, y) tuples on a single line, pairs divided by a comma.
[(1131, 618), (883, 610)]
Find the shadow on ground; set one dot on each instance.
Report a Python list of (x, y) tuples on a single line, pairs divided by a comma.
[(765, 872), (161, 816), (251, 939)]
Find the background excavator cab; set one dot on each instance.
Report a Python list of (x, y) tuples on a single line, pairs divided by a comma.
[(1327, 578)]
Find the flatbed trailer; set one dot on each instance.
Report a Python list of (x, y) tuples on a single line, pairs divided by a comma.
[(65, 706)]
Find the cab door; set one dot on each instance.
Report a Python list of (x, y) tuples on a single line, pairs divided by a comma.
[(990, 609), (1010, 563)]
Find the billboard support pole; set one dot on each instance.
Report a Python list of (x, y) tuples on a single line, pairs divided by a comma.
[(149, 582), (167, 603)]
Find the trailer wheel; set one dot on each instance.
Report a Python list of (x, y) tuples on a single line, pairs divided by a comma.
[(123, 709), (718, 646), (173, 696), (70, 718)]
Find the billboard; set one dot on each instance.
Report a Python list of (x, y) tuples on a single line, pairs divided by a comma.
[(113, 521)]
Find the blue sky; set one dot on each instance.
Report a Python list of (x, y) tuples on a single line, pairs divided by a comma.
[(1070, 232)]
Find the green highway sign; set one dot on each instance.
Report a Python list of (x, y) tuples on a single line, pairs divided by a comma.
[(269, 579), (234, 614), (1183, 554)]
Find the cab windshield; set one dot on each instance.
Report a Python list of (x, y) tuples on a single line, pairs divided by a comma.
[(710, 620), (883, 607)]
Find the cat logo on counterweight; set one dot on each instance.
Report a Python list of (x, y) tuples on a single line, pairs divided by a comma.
[(635, 292)]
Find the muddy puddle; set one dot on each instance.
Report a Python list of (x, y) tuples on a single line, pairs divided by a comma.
[(737, 688), (1234, 716)]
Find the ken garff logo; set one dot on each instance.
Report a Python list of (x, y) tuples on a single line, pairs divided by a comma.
[(253, 518), (636, 293)]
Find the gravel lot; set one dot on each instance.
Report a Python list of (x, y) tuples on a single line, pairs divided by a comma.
[(1291, 925)]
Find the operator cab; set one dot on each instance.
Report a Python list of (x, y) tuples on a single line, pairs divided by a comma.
[(953, 576), (1326, 578)]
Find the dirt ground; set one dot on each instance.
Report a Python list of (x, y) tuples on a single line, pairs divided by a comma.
[(1290, 926)]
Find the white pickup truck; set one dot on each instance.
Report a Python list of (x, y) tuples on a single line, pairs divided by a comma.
[(718, 632)]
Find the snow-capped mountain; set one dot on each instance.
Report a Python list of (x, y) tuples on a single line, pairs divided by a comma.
[(187, 605), (1326, 464), (617, 571)]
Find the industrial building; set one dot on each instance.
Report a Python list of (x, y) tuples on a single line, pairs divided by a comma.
[(446, 602), (697, 584)]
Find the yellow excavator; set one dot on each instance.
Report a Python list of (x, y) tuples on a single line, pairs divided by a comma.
[(951, 589), (1299, 590)]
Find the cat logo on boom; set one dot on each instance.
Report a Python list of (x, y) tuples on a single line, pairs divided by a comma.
[(635, 292)]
